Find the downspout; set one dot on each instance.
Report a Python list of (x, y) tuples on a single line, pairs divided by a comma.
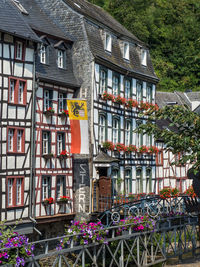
[(32, 176)]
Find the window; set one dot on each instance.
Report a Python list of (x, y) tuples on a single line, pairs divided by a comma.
[(128, 181), (149, 93), (16, 140), (46, 187), (60, 186), (62, 102), (15, 191), (60, 59), (160, 185), (48, 95), (60, 142), (43, 54), (19, 50), (108, 42), (102, 82), (148, 140), (148, 180), (126, 51), (115, 182), (178, 184), (115, 85), (102, 128), (159, 158), (144, 57), (127, 132), (139, 92), (139, 136), (17, 91), (127, 89), (20, 7), (46, 143), (138, 181), (116, 130)]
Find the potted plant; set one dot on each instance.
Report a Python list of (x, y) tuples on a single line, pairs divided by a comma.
[(50, 111), (63, 200), (143, 149), (131, 148), (190, 192), (64, 113), (48, 201), (48, 156), (120, 147), (165, 193), (153, 150), (108, 145), (63, 154), (107, 96), (120, 100), (130, 103)]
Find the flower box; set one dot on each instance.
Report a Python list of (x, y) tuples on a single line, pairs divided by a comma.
[(64, 113), (48, 201), (107, 96), (50, 111), (63, 155), (47, 156), (63, 200), (108, 145), (120, 100)]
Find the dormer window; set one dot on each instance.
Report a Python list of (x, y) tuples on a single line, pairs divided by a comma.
[(144, 57), (108, 42), (60, 59), (19, 50), (126, 51), (43, 54)]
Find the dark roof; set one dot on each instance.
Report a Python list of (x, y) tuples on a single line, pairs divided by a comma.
[(167, 98), (102, 157), (96, 13), (12, 22), (51, 73), (116, 57), (193, 96), (39, 21)]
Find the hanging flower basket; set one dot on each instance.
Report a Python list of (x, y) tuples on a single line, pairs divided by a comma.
[(48, 201), (49, 112), (63, 200), (63, 155), (64, 113), (47, 156)]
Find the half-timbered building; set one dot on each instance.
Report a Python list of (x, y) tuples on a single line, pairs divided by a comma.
[(167, 174), (55, 82), (17, 48), (108, 58)]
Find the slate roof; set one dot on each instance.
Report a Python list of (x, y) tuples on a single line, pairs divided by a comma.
[(12, 22), (39, 21), (102, 157), (164, 98), (116, 57), (96, 13)]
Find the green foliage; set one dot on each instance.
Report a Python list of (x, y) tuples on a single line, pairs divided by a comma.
[(171, 28), (183, 134)]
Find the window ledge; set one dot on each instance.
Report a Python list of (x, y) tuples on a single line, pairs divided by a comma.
[(16, 104), (13, 153)]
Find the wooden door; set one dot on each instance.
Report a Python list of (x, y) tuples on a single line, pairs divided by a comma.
[(105, 200)]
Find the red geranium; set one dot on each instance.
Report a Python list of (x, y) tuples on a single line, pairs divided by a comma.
[(143, 149), (49, 200), (120, 100), (120, 147), (65, 112)]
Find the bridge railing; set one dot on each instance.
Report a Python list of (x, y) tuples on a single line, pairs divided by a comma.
[(125, 249)]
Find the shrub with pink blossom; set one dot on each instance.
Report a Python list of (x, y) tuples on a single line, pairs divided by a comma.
[(84, 233), (137, 224), (14, 248)]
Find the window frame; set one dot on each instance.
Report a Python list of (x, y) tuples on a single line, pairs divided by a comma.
[(118, 84), (140, 183), (114, 182), (144, 57), (15, 140), (49, 99), (119, 128), (149, 86), (159, 158), (101, 126), (63, 142), (129, 182), (64, 185), (108, 42), (49, 177), (127, 96), (130, 131), (22, 57), (101, 89), (139, 97), (48, 142), (14, 191), (43, 52), (150, 180), (126, 54), (139, 136), (60, 64), (15, 92)]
